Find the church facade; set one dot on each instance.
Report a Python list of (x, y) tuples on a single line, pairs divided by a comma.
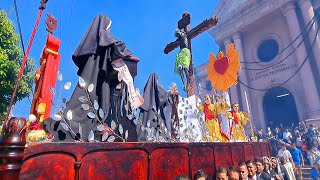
[(279, 45)]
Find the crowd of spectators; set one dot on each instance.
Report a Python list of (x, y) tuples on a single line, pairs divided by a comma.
[(302, 143), (274, 168), (297, 144), (291, 148)]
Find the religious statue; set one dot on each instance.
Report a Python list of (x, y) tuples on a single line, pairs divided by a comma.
[(239, 120), (184, 41), (183, 58), (222, 102), (175, 95), (212, 123), (100, 59), (154, 122), (173, 88)]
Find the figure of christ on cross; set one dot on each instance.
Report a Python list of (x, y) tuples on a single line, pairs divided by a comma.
[(184, 41)]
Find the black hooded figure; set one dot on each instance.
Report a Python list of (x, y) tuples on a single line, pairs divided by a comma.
[(97, 49), (155, 113)]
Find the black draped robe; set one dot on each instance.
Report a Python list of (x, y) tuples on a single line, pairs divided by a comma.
[(97, 49), (157, 109)]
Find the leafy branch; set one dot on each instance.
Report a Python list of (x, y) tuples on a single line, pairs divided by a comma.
[(98, 114), (65, 125)]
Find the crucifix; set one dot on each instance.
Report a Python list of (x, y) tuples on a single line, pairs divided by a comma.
[(184, 23)]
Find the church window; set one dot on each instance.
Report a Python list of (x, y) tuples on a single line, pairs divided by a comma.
[(268, 50)]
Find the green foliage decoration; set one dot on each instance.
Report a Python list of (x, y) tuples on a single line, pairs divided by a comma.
[(10, 61)]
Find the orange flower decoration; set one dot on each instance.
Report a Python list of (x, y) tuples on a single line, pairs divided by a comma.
[(222, 72)]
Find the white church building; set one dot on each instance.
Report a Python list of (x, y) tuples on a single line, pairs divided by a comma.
[(279, 49)]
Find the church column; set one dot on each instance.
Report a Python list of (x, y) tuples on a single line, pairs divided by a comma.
[(308, 13), (233, 89), (310, 91), (242, 73)]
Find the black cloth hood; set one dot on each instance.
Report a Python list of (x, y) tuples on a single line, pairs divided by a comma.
[(154, 95), (96, 36)]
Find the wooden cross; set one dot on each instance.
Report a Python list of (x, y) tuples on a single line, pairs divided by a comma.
[(184, 23)]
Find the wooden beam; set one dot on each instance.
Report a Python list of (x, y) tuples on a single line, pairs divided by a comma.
[(204, 26)]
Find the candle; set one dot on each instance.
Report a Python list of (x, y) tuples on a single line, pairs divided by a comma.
[(251, 126), (247, 102)]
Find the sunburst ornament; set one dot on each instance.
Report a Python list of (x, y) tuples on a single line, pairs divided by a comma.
[(222, 71)]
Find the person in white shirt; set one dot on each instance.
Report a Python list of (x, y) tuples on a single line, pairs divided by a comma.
[(287, 135), (289, 167), (283, 152), (299, 141), (313, 155)]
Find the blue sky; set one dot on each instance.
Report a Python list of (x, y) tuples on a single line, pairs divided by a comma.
[(145, 26)]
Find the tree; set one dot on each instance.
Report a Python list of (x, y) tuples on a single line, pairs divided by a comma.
[(10, 61)]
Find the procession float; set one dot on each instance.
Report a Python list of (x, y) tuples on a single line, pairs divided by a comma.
[(108, 130)]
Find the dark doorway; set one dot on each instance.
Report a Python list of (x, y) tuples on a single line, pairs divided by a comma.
[(280, 107)]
